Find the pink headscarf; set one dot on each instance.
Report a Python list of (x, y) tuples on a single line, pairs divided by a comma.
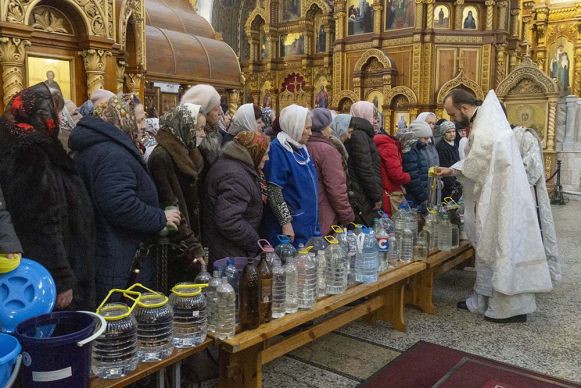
[(365, 110)]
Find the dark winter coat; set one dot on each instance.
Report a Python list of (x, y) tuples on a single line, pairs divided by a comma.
[(232, 205), (364, 170), (334, 206), (9, 242), (448, 156), (393, 176), (415, 165), (51, 211), (175, 173), (124, 197)]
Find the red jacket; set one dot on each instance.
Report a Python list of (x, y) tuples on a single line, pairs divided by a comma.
[(392, 174)]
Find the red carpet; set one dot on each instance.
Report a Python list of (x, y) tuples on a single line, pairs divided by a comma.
[(431, 365)]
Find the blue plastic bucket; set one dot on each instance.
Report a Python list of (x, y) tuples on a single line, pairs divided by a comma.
[(9, 359), (56, 348)]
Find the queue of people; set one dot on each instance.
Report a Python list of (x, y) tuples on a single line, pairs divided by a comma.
[(120, 180)]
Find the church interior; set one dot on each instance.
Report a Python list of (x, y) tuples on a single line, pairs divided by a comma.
[(405, 57)]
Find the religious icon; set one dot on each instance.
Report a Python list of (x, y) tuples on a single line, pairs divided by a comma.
[(441, 17), (360, 16), (267, 100), (290, 10), (55, 73), (263, 45), (470, 15), (402, 120), (322, 99), (529, 115), (560, 65), (321, 38), (400, 14), (292, 44), (376, 98)]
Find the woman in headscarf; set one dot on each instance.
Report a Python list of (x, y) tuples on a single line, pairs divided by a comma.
[(449, 155), (267, 119), (123, 194), (413, 141), (393, 176), (149, 140), (175, 165), (334, 206), (366, 110), (429, 152), (247, 118), (292, 180), (364, 166), (51, 210), (234, 197)]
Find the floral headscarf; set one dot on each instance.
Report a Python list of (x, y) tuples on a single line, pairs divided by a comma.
[(33, 110), (120, 112), (255, 143), (406, 138), (181, 122)]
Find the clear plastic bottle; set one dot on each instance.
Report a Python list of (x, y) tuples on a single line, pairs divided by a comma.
[(337, 265), (382, 244), (233, 277), (291, 286), (421, 247), (341, 236), (225, 311), (321, 277), (455, 236), (444, 233), (392, 254), (190, 319), (366, 265), (285, 249), (154, 318), (317, 242), (204, 276), (352, 253), (432, 228), (407, 246), (278, 290), (212, 299), (307, 279), (249, 297)]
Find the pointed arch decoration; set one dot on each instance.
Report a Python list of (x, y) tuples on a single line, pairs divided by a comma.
[(322, 4), (526, 78), (252, 17), (459, 81), (380, 55), (350, 94), (401, 90)]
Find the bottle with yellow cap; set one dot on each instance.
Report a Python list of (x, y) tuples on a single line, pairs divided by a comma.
[(190, 317), (307, 278), (337, 267)]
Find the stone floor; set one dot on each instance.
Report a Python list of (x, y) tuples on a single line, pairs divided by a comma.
[(550, 342)]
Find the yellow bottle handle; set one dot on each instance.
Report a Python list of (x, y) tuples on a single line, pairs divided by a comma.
[(337, 229), (128, 295), (139, 300), (306, 250), (331, 240), (176, 289)]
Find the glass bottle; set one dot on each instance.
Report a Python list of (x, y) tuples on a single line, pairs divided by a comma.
[(351, 256), (278, 290), (392, 254), (291, 286), (204, 276), (225, 311), (249, 297), (444, 233), (265, 275), (382, 244)]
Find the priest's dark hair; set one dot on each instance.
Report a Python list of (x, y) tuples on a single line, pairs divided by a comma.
[(462, 96)]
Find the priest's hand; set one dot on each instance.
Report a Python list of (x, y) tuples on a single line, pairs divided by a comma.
[(444, 171)]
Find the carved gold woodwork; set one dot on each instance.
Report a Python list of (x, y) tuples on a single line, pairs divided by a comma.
[(459, 81), (459, 5), (486, 67), (577, 83), (502, 12), (12, 56), (134, 82), (489, 14), (94, 61), (120, 75), (500, 63), (233, 101), (133, 11), (49, 19), (430, 14)]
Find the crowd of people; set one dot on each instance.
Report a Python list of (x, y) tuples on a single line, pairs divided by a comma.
[(87, 186)]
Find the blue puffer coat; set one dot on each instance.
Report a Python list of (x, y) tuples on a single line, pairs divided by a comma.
[(124, 197), (417, 166)]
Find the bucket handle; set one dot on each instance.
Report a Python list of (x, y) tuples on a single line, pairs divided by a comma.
[(96, 334), (15, 371)]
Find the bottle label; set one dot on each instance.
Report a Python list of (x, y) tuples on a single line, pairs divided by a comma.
[(383, 243), (266, 291), (195, 314)]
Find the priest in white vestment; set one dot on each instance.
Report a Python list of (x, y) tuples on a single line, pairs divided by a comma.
[(500, 215)]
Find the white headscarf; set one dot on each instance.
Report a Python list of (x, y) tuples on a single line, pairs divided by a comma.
[(425, 115), (204, 95), (243, 120), (292, 124)]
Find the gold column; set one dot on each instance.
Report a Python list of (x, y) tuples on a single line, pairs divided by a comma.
[(340, 20), (502, 8), (377, 8), (458, 9), (328, 38), (514, 22), (120, 75), (552, 123), (95, 68), (489, 14), (577, 84), (233, 100), (134, 82), (430, 14), (500, 63), (420, 14), (12, 55)]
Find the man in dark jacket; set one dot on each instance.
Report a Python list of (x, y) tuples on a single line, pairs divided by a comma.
[(449, 155), (9, 243), (364, 171), (124, 197)]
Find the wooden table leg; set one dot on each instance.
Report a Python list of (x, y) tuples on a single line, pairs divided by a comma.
[(419, 291), (392, 310), (241, 369)]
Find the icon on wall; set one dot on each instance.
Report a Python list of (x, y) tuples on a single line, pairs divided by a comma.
[(54, 73), (321, 41), (292, 44), (290, 10), (560, 69), (400, 14), (441, 17), (470, 18), (360, 16)]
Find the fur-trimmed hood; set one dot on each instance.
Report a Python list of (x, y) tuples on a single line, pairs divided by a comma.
[(190, 163)]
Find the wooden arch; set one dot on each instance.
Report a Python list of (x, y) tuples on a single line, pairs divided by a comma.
[(323, 5), (380, 55), (252, 17), (526, 78), (459, 81), (90, 29), (350, 94), (401, 90)]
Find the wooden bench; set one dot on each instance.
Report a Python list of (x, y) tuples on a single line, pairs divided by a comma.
[(420, 288), (145, 369), (242, 357)]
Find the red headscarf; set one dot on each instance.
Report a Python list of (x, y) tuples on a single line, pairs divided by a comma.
[(255, 143)]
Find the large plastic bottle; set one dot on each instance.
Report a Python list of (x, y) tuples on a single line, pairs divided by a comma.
[(392, 254), (317, 242), (278, 290), (249, 297), (382, 244), (291, 286), (231, 273), (265, 275), (444, 233), (341, 236), (225, 311), (421, 248), (307, 279), (204, 276), (212, 299), (366, 265), (352, 253), (321, 277), (337, 269), (407, 246), (285, 249), (190, 322)]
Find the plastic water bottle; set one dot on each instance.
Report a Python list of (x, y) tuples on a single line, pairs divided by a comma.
[(444, 233), (337, 268), (154, 318), (307, 279), (291, 286), (225, 310), (412, 221), (421, 247), (392, 254), (321, 278), (341, 236), (190, 319), (285, 249), (233, 277), (382, 244), (455, 236), (204, 276), (317, 242), (212, 299), (351, 256), (249, 297), (366, 265), (407, 246), (278, 290)]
